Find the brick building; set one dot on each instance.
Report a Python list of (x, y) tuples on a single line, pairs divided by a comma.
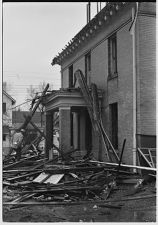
[(116, 50)]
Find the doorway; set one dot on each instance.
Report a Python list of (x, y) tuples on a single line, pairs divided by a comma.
[(114, 124), (88, 133)]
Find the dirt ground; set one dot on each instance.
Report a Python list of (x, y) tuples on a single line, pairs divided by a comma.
[(142, 210)]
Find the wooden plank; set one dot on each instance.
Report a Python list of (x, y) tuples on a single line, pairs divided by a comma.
[(127, 166), (112, 148), (27, 120), (151, 158), (24, 197), (60, 189), (81, 202), (43, 135), (124, 142), (23, 176), (89, 101), (19, 162), (149, 163)]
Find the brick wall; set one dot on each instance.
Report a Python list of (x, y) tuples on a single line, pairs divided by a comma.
[(120, 89), (65, 78), (146, 89), (125, 90)]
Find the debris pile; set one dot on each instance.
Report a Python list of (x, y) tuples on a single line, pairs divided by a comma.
[(40, 181)]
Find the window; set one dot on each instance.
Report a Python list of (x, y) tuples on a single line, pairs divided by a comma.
[(4, 107), (112, 56), (87, 67), (4, 137), (71, 76)]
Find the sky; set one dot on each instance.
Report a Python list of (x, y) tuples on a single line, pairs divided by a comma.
[(33, 34)]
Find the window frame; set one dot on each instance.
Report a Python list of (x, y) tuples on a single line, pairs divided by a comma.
[(4, 137), (112, 56), (71, 78), (4, 107), (88, 64)]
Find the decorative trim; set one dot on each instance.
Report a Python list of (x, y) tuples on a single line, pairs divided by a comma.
[(105, 14), (64, 108), (99, 43)]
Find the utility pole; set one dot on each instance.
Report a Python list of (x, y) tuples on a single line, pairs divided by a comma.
[(88, 12)]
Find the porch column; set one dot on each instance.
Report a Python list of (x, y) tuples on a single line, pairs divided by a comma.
[(82, 132), (65, 129), (76, 130), (49, 133)]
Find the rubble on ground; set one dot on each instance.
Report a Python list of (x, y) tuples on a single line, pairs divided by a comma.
[(36, 180)]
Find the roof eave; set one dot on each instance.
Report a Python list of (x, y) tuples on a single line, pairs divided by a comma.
[(96, 23)]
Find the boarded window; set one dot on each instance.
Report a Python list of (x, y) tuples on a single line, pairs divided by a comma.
[(112, 55), (71, 76)]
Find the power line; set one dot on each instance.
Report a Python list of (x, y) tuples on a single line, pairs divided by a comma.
[(30, 72), (21, 104)]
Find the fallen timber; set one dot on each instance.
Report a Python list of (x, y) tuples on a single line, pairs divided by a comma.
[(89, 184), (68, 170), (127, 166), (42, 134), (19, 162), (61, 189), (32, 112), (81, 202), (94, 113)]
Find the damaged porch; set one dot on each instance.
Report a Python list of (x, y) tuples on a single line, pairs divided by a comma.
[(75, 127)]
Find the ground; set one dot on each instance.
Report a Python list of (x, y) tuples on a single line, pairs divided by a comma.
[(142, 210)]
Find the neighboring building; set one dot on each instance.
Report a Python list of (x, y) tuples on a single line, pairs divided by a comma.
[(18, 119), (38, 119), (8, 103), (116, 50)]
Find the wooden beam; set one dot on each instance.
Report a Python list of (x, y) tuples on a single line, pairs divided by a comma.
[(27, 120), (80, 202), (126, 166), (16, 163)]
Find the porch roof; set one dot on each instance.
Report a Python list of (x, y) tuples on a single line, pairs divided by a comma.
[(70, 97)]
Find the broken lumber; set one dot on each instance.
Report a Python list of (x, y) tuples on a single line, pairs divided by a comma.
[(27, 120), (19, 162), (80, 202), (117, 173), (124, 165), (54, 159), (23, 176), (60, 189), (42, 134), (89, 101)]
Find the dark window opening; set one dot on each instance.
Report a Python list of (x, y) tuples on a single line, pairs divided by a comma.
[(112, 56), (87, 66), (4, 137), (71, 76), (4, 107), (114, 124)]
